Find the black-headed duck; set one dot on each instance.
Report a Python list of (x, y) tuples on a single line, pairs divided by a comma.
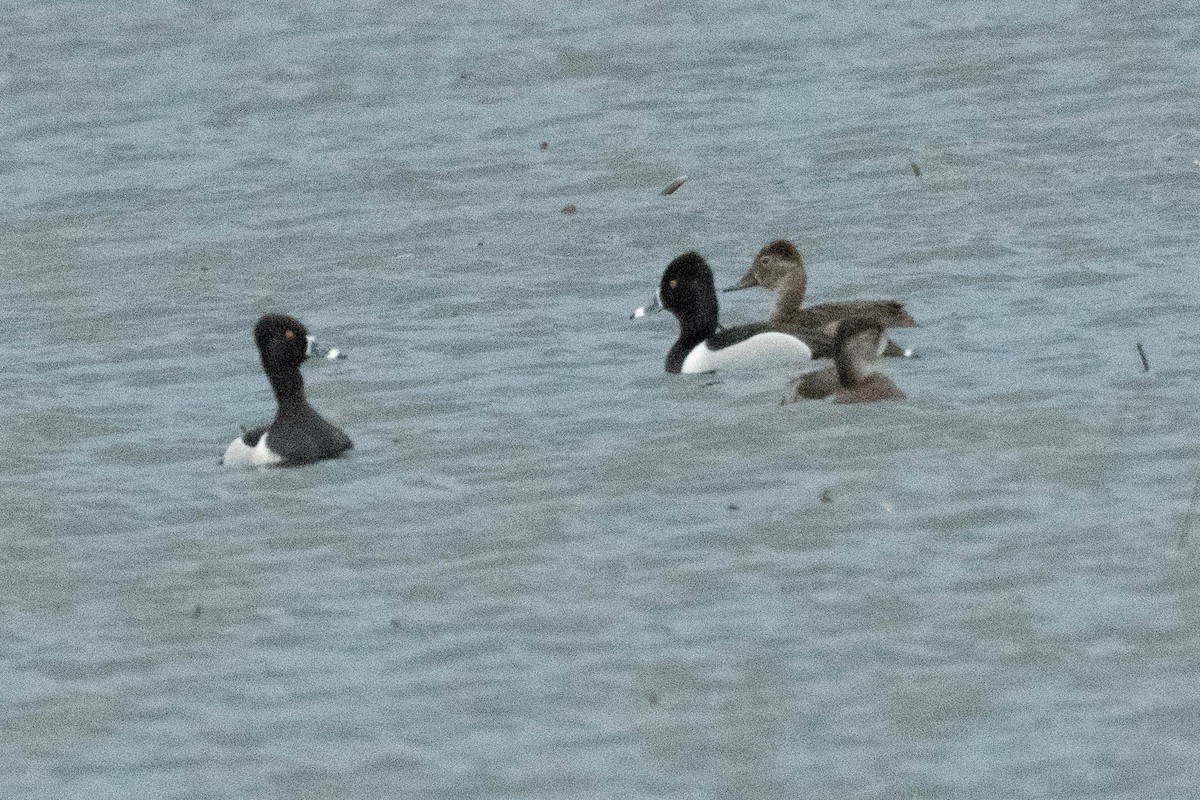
[(298, 435), (687, 290)]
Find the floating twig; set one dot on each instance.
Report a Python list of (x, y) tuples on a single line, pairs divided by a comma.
[(569, 208), (1145, 361), (1185, 525), (916, 168), (674, 185)]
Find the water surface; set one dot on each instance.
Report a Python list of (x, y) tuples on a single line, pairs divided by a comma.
[(548, 569)]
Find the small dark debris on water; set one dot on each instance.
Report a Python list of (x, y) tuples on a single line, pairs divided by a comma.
[(569, 208), (196, 611), (826, 496), (916, 168), (652, 698), (734, 507), (674, 185), (395, 623), (1185, 525), (1145, 361), (479, 244), (544, 146)]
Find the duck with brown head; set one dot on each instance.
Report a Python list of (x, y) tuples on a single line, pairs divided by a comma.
[(855, 376), (779, 268)]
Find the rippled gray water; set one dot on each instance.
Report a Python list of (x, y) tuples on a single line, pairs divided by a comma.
[(548, 569)]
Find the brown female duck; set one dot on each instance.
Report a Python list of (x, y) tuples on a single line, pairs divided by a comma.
[(855, 375), (779, 267)]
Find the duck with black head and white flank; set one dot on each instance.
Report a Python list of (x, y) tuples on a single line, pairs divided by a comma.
[(688, 291), (298, 435), (779, 268), (855, 375)]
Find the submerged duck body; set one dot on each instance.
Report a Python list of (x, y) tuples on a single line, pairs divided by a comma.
[(854, 376), (298, 434), (779, 268), (688, 291)]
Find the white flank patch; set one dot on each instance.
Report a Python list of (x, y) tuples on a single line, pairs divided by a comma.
[(763, 349), (239, 454)]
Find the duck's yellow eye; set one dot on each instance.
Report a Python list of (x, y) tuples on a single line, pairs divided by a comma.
[(673, 283), (289, 334)]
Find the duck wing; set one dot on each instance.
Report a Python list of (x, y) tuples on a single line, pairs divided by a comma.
[(888, 313), (815, 385)]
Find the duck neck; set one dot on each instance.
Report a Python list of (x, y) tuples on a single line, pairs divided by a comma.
[(849, 373), (693, 329), (790, 296), (288, 386)]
